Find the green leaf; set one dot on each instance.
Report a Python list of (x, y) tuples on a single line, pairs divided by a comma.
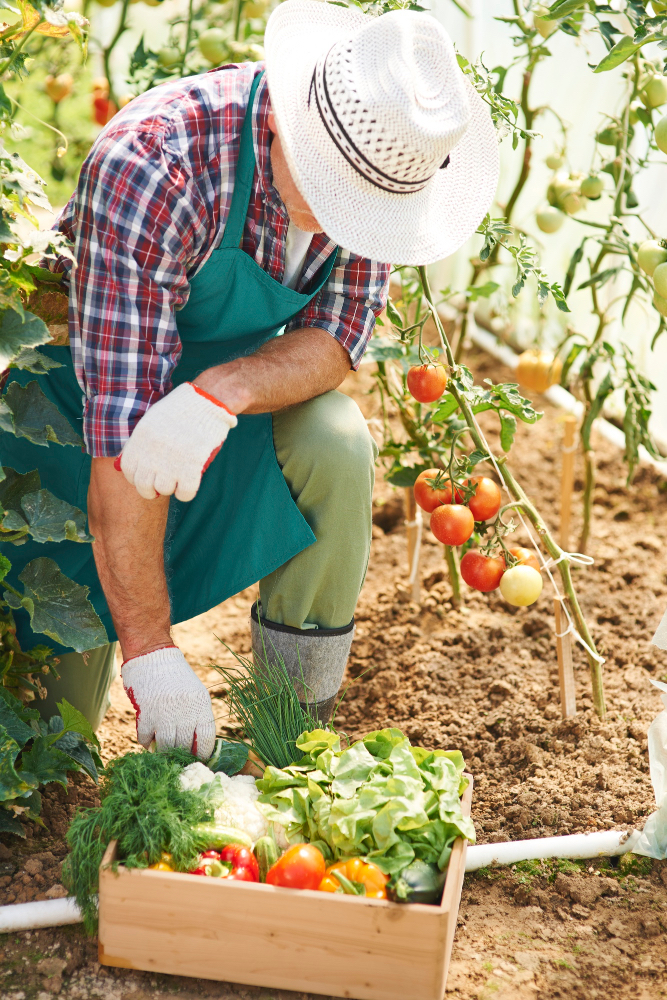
[(74, 747), (605, 389), (14, 487), (623, 49), (60, 607), (9, 823), (394, 315), (42, 764), (12, 784), (599, 279), (477, 456), (53, 520), (475, 292), (34, 361), (405, 475), (575, 260), (562, 8), (572, 355), (507, 430), (36, 418), (13, 725), (382, 349), (5, 566), (447, 405), (75, 722), (17, 332), (228, 757)]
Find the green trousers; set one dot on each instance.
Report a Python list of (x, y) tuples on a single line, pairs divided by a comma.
[(327, 457)]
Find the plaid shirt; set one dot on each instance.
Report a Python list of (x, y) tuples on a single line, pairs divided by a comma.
[(150, 206)]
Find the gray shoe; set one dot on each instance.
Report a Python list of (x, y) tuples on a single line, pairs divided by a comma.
[(314, 658)]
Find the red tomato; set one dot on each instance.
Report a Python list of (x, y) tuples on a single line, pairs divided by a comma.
[(239, 856), (426, 496), (526, 557), (300, 867), (452, 524), (482, 572), (427, 382), (103, 109), (487, 499)]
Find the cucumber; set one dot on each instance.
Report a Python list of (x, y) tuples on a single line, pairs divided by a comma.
[(266, 853), (211, 835), (420, 882)]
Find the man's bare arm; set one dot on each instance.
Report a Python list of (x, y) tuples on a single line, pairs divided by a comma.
[(285, 371), (129, 531), (129, 555)]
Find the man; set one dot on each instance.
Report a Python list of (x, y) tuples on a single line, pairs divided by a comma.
[(211, 213)]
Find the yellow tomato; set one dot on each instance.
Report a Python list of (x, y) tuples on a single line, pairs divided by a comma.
[(521, 585), (537, 370)]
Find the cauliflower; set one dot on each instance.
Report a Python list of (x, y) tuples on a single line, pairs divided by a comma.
[(194, 776), (234, 800)]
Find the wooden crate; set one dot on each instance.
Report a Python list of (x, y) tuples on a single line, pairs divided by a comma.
[(260, 935)]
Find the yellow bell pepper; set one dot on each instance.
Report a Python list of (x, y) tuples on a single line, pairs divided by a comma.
[(164, 864), (360, 878)]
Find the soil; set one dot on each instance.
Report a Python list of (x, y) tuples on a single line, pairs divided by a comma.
[(483, 679)]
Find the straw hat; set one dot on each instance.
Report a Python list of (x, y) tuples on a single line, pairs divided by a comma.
[(391, 147)]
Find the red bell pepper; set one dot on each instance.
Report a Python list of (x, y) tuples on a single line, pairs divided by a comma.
[(242, 860)]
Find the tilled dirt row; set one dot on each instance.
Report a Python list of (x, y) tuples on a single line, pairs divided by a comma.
[(482, 678)]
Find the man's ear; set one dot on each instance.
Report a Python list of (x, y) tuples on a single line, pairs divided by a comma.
[(272, 123)]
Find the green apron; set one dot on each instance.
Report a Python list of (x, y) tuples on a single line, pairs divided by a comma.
[(243, 523)]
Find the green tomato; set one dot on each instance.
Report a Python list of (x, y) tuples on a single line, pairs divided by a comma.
[(660, 280), (545, 28), (213, 45), (168, 56), (592, 186), (106, 3), (660, 135), (549, 219), (555, 161), (651, 253), (654, 93), (254, 8), (521, 585), (660, 304), (573, 202)]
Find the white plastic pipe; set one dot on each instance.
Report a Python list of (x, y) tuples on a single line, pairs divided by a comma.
[(44, 913), (604, 844)]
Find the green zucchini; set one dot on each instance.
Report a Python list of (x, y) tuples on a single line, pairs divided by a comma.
[(420, 882), (266, 853), (213, 836)]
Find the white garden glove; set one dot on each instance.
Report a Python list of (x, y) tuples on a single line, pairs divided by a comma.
[(175, 442), (173, 707)]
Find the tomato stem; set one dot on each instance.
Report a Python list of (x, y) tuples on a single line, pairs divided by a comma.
[(531, 511), (454, 575)]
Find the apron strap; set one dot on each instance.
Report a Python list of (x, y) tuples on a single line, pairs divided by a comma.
[(245, 172)]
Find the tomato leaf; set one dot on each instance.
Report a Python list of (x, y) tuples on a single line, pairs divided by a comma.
[(572, 355), (600, 279), (605, 389), (447, 405), (405, 475), (624, 49), (394, 315), (507, 430), (562, 8), (383, 349), (475, 292), (575, 260), (477, 456)]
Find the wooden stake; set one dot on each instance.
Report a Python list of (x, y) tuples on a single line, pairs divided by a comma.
[(413, 518), (567, 479), (568, 700)]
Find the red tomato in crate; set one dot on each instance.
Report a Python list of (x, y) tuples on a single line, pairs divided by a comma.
[(300, 867), (486, 502), (452, 524), (482, 572), (427, 383)]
